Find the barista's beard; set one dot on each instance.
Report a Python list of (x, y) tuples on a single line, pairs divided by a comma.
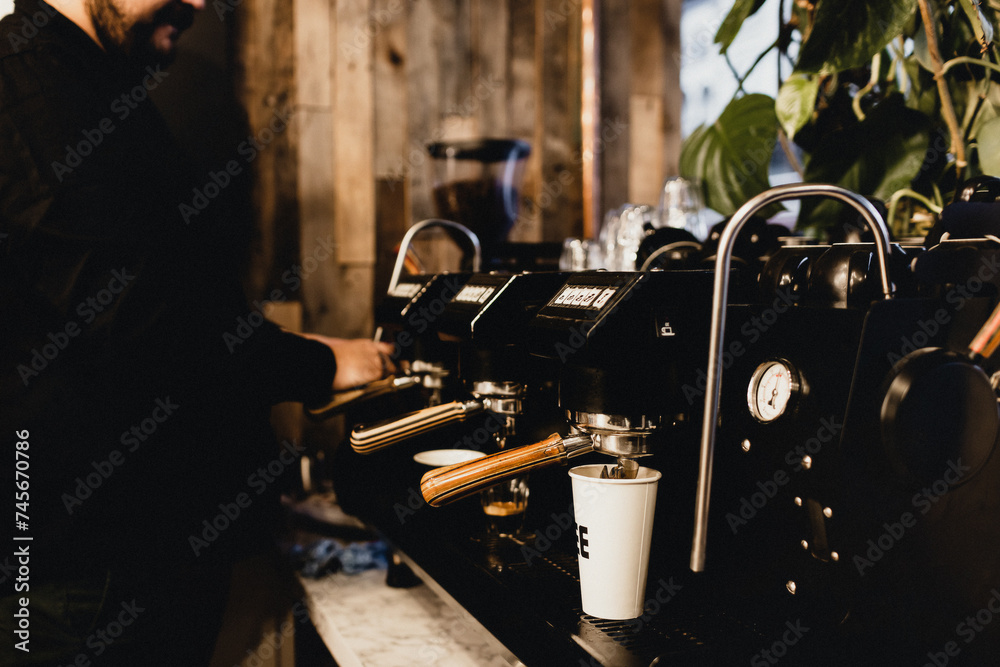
[(132, 43)]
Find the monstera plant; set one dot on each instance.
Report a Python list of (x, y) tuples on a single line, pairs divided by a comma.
[(898, 100)]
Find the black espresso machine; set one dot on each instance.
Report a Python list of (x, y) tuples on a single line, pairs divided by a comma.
[(840, 417)]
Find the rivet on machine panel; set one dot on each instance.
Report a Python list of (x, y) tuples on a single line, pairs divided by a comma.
[(791, 587), (745, 445)]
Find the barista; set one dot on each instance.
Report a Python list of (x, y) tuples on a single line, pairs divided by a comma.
[(141, 422)]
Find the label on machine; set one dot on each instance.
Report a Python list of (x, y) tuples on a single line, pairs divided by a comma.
[(583, 296), (405, 290), (475, 293)]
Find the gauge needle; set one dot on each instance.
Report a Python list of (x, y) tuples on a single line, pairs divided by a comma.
[(774, 394)]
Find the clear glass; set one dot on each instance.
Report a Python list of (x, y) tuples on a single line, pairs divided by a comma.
[(581, 255), (681, 206), (504, 506)]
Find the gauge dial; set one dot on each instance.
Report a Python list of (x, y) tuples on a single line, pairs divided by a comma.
[(771, 388)]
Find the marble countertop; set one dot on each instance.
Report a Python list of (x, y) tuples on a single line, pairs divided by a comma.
[(366, 623)]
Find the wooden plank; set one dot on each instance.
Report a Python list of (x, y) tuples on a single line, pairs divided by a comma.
[(391, 222), (319, 287), (646, 139), (490, 28), (266, 79), (558, 118), (392, 216), (521, 100), (673, 98), (353, 144), (312, 53), (390, 85), (615, 83), (423, 63), (646, 152)]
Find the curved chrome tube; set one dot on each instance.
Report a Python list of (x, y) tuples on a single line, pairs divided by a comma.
[(404, 245), (719, 298)]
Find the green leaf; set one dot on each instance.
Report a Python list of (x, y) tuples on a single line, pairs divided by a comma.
[(980, 24), (796, 102), (734, 20), (874, 157), (847, 33), (988, 147), (731, 157)]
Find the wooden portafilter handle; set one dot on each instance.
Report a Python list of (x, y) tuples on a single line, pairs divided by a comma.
[(371, 438), (342, 400), (444, 485)]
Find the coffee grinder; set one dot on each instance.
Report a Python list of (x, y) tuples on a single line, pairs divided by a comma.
[(477, 183)]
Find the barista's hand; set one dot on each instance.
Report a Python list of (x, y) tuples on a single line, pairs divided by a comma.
[(359, 360)]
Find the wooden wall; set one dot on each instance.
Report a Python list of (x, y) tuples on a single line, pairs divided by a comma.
[(368, 83)]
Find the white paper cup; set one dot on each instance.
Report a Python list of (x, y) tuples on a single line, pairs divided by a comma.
[(614, 519)]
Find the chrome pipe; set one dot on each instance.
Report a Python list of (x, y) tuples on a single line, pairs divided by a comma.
[(474, 248), (720, 297)]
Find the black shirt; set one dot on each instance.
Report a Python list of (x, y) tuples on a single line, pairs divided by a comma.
[(118, 314)]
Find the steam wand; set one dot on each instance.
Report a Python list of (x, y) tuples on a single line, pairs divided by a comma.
[(719, 298)]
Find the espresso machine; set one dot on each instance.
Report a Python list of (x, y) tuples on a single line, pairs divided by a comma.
[(405, 317), (840, 415), (500, 398)]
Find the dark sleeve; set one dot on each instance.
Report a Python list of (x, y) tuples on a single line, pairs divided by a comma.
[(291, 367)]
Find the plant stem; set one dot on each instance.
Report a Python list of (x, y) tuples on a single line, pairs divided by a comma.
[(947, 108), (787, 150), (872, 80), (903, 229), (966, 60)]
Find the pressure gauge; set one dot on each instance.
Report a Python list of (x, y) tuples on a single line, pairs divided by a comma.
[(772, 387)]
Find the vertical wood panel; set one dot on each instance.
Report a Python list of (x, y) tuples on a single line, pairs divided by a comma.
[(391, 136), (616, 81), (646, 152), (645, 103), (558, 58), (521, 104), (671, 94), (425, 97), (266, 80), (490, 77), (353, 147)]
